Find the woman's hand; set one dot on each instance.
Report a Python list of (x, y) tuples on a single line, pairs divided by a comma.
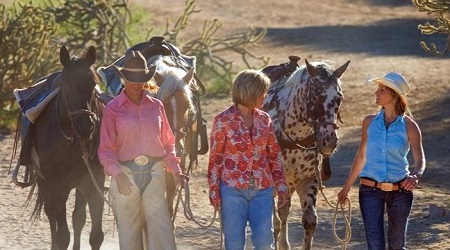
[(410, 183), (283, 199), (180, 179), (343, 195), (123, 184)]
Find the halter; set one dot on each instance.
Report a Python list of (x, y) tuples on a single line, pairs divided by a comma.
[(71, 115)]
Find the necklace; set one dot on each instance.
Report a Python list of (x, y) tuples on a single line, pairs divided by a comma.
[(388, 123)]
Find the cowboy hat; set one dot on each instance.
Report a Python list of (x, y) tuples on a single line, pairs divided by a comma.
[(135, 68), (394, 81)]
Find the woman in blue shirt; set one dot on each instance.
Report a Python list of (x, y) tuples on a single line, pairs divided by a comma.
[(385, 178)]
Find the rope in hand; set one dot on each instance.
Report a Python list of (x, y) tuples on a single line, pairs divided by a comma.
[(347, 220), (347, 217)]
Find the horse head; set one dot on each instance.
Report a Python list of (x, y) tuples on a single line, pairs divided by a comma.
[(324, 97), (76, 99), (175, 93)]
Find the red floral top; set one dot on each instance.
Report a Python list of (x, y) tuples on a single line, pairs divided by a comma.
[(236, 154)]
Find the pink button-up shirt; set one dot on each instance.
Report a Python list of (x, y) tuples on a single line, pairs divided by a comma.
[(129, 130), (236, 155)]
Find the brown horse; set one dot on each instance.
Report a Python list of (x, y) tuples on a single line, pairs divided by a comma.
[(65, 131)]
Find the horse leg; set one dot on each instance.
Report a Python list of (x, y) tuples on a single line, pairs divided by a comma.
[(170, 192), (52, 221), (282, 239), (276, 225), (95, 202), (78, 218), (309, 219), (96, 211), (55, 209)]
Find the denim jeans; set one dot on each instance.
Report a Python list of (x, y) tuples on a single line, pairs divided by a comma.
[(242, 205), (372, 202)]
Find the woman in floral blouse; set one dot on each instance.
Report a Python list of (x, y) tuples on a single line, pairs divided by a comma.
[(244, 170)]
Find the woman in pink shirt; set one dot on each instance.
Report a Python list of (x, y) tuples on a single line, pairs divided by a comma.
[(136, 147), (244, 170)]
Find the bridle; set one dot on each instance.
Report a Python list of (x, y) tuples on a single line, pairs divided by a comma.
[(72, 114), (310, 142)]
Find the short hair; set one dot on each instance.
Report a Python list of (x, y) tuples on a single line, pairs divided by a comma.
[(248, 86)]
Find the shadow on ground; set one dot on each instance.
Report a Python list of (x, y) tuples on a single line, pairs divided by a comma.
[(379, 39)]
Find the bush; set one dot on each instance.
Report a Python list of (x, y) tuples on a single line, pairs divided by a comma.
[(441, 10)]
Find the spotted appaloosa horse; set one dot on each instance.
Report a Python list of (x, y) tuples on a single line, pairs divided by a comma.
[(304, 108)]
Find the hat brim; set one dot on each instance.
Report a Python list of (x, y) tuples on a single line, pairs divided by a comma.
[(136, 77), (387, 83)]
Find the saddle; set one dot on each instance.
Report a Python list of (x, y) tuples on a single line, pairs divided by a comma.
[(32, 101), (277, 72)]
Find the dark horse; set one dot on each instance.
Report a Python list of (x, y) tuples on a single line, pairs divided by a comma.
[(67, 130)]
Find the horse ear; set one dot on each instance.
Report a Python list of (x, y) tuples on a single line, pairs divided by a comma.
[(338, 73), (159, 79), (311, 69), (64, 56), (91, 55), (189, 76)]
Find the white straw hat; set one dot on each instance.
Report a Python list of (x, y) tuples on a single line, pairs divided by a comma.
[(396, 82)]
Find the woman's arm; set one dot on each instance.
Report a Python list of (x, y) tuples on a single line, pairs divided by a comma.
[(358, 162), (415, 140)]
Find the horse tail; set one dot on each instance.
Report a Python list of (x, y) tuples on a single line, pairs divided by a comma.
[(36, 214)]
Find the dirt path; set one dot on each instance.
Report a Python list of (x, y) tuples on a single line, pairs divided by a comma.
[(378, 36)]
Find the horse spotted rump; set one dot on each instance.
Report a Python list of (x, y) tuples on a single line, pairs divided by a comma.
[(304, 108)]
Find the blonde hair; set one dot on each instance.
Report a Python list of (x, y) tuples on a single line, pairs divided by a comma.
[(248, 86)]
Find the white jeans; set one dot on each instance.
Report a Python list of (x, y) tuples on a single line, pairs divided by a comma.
[(144, 220)]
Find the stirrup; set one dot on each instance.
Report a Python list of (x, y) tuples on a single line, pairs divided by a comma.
[(28, 179)]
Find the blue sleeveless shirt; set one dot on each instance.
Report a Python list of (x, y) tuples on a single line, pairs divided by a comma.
[(386, 151)]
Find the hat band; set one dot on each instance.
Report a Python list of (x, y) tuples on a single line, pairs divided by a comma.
[(134, 70)]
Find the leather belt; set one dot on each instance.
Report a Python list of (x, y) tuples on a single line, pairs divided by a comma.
[(383, 186), (143, 160)]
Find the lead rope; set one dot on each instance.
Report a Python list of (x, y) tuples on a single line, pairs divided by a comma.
[(346, 216), (186, 202), (99, 190), (347, 220)]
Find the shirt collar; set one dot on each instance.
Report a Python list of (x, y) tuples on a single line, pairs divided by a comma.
[(122, 98)]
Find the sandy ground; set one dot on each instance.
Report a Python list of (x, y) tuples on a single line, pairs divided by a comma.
[(378, 36)]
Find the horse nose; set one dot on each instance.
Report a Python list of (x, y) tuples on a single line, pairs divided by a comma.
[(329, 145), (84, 127)]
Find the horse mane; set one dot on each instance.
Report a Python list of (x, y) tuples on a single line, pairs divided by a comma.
[(173, 79), (299, 73)]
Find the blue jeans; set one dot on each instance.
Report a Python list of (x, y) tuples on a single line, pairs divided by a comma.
[(242, 205), (372, 202)]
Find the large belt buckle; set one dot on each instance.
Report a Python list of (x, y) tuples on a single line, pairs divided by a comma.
[(141, 160), (386, 186)]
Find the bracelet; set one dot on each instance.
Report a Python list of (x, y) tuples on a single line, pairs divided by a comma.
[(417, 175)]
